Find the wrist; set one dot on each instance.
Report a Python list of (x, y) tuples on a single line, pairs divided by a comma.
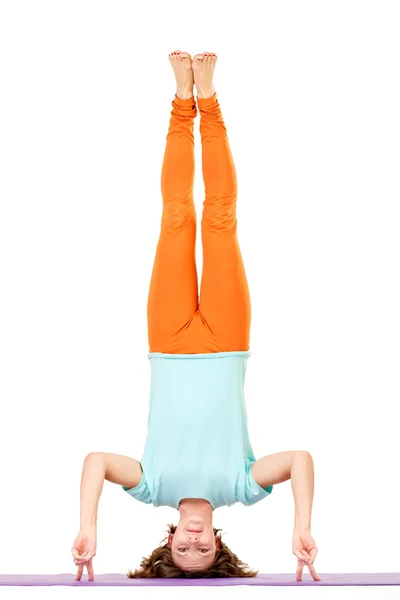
[(300, 527), (88, 527)]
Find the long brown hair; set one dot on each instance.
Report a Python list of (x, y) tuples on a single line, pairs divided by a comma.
[(160, 563)]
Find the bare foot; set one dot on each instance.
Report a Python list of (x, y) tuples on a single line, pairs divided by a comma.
[(203, 68), (182, 65)]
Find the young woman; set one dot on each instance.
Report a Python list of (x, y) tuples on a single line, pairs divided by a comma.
[(197, 455)]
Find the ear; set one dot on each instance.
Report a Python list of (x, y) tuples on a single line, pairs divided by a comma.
[(218, 542), (169, 543)]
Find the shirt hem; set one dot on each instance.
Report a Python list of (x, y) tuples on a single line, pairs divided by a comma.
[(245, 353)]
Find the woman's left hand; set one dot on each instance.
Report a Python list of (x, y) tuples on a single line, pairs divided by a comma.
[(304, 547), (83, 551)]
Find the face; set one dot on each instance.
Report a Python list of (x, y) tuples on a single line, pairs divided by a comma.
[(193, 545)]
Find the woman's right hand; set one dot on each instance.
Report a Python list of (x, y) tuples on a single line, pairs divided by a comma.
[(305, 548), (83, 551)]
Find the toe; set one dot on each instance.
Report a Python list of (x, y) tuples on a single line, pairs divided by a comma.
[(185, 55), (198, 57)]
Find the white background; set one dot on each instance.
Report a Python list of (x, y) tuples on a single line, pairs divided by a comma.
[(310, 96)]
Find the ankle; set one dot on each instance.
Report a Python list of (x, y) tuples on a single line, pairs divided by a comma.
[(184, 94), (205, 93)]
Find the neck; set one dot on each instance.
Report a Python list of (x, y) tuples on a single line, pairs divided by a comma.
[(195, 506)]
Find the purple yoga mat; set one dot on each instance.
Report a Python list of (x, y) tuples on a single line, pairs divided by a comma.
[(119, 579)]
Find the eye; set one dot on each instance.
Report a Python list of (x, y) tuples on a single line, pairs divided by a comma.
[(203, 550)]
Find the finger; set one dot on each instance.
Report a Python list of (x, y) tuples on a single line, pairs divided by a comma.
[(80, 561), (305, 554), (313, 554), (76, 553), (90, 571), (314, 573), (89, 556), (298, 554), (299, 570), (79, 573)]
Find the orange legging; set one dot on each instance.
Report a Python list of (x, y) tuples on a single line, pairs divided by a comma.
[(179, 322)]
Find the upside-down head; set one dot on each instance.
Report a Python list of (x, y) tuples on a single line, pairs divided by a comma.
[(192, 554)]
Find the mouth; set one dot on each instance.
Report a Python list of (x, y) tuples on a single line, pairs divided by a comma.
[(195, 530)]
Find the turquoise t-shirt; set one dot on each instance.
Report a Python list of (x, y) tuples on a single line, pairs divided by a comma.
[(197, 443)]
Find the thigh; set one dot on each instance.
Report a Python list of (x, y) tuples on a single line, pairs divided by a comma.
[(173, 294), (224, 293)]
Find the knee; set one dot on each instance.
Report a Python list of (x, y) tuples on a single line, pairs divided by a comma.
[(177, 214), (220, 213)]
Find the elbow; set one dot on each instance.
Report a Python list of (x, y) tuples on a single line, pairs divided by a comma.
[(304, 454), (93, 455)]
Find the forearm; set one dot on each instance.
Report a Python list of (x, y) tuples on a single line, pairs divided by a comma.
[(92, 481), (302, 478)]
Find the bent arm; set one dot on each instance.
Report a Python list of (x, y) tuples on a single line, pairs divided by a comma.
[(298, 466), (97, 467)]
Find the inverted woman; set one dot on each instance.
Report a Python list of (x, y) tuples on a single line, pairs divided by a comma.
[(197, 456)]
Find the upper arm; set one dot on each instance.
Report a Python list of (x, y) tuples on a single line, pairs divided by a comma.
[(122, 470), (273, 468)]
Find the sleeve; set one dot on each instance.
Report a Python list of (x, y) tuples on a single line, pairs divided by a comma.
[(141, 491), (252, 492)]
